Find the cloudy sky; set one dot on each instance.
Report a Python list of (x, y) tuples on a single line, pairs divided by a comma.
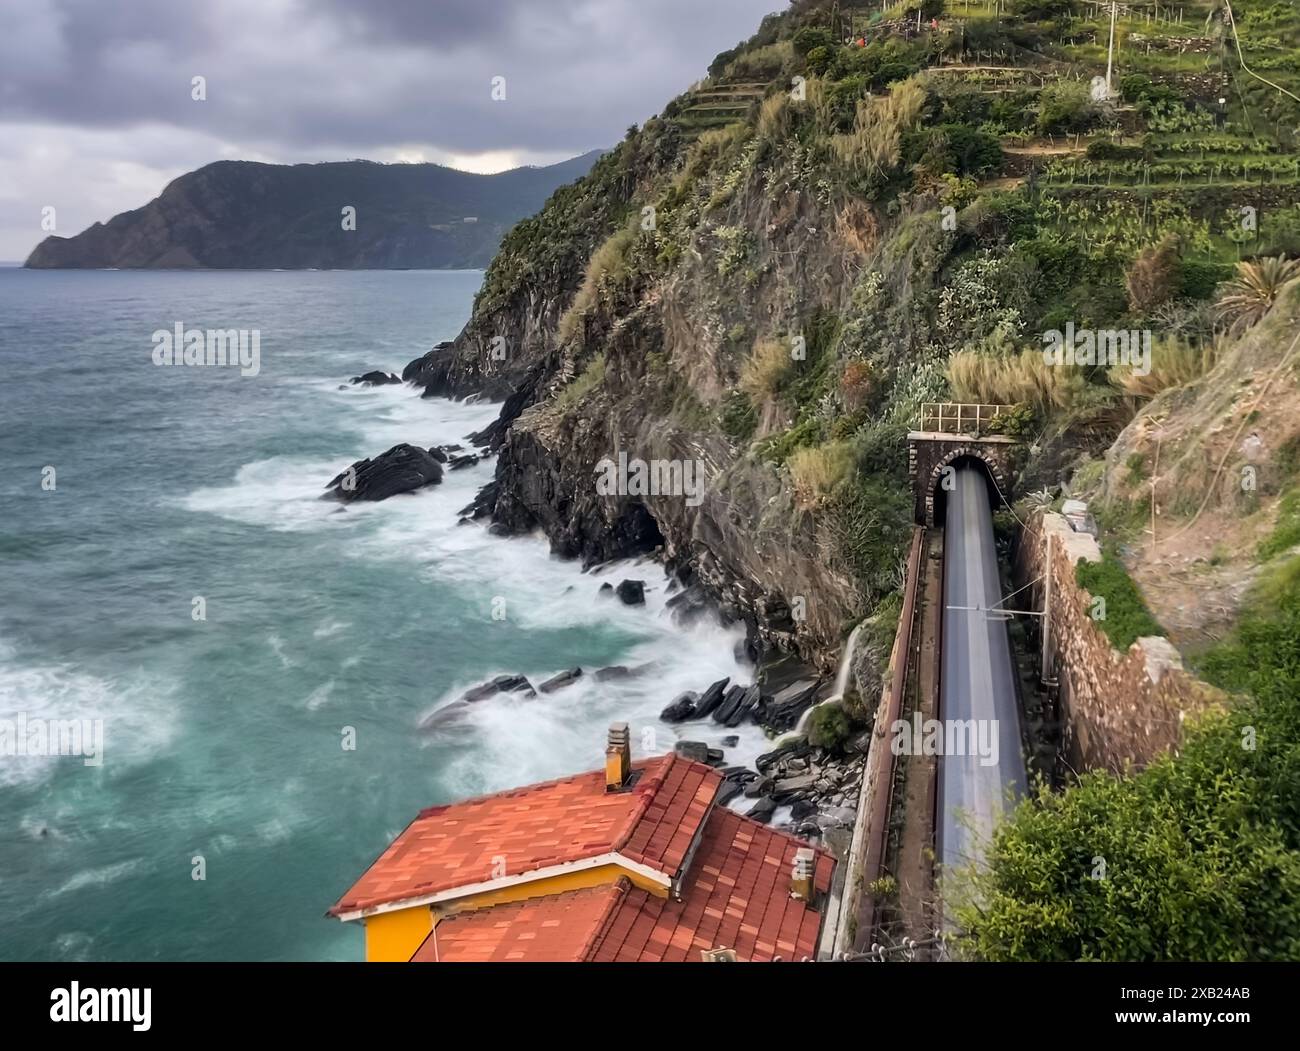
[(96, 113)]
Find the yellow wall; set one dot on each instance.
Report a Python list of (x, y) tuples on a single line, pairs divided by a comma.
[(393, 937)]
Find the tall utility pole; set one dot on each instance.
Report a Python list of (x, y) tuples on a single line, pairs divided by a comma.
[(1110, 50)]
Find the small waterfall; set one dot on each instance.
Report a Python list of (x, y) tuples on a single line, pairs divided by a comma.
[(841, 684), (846, 664)]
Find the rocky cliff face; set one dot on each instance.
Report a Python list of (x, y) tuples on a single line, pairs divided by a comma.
[(609, 337), (766, 282), (264, 216)]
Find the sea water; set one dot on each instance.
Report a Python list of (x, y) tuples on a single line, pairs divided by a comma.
[(260, 660)]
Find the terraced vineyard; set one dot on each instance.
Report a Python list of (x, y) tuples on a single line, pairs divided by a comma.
[(1198, 123), (717, 105)]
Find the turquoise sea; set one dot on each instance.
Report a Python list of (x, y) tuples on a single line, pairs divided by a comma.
[(223, 738)]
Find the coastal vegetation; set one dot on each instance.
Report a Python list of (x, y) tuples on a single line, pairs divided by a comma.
[(849, 218)]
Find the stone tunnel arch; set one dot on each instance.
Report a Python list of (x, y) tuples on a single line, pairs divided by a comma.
[(964, 455)]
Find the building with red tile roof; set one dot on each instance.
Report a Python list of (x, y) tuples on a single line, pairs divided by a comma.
[(632, 863)]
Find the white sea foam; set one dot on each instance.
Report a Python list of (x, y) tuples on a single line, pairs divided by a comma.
[(328, 629), (96, 877), (319, 696), (137, 713), (283, 492), (506, 740)]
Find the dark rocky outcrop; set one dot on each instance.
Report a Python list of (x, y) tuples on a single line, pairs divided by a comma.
[(710, 699), (631, 592), (563, 679), (402, 469), (796, 749), (694, 750), (782, 711), (374, 379), (689, 605), (738, 702), (681, 709), (615, 672), (727, 791), (483, 503), (501, 684)]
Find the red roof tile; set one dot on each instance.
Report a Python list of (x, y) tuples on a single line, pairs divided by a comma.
[(555, 928), (750, 910), (571, 819)]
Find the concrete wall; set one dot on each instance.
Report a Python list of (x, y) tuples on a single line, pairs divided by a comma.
[(1118, 708)]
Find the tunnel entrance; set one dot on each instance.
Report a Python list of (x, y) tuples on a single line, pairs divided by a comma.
[(943, 480), (953, 435)]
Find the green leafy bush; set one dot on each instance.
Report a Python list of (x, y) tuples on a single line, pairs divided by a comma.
[(1126, 616), (829, 727), (1286, 533), (1199, 278), (952, 148), (1195, 858), (810, 38), (1065, 105), (737, 417)]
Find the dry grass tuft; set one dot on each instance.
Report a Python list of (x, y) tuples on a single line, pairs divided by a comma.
[(768, 365), (1014, 379), (818, 471)]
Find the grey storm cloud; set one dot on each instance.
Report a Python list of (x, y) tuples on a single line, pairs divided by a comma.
[(96, 113), (364, 75)]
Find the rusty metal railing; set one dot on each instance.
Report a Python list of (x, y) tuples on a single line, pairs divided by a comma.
[(880, 763), (952, 417)]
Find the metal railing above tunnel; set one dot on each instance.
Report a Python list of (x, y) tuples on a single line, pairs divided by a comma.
[(954, 417)]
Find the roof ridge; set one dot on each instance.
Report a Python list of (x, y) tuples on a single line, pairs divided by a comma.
[(646, 791), (438, 808), (621, 886)]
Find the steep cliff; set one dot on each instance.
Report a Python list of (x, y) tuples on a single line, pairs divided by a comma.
[(247, 215), (846, 219)]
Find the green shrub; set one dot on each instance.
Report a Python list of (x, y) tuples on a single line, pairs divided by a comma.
[(871, 524), (591, 377), (952, 148), (1105, 150), (1126, 616), (779, 447), (1286, 532), (829, 727), (1017, 422), (819, 60), (1200, 278), (724, 58), (1201, 850), (1064, 105), (737, 417), (810, 38)]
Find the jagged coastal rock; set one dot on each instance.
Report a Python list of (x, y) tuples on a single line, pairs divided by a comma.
[(402, 469), (375, 379)]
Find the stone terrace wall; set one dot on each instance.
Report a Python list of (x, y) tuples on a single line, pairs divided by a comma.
[(1118, 708)]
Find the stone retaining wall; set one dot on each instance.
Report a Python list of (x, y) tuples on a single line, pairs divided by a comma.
[(1117, 708)]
